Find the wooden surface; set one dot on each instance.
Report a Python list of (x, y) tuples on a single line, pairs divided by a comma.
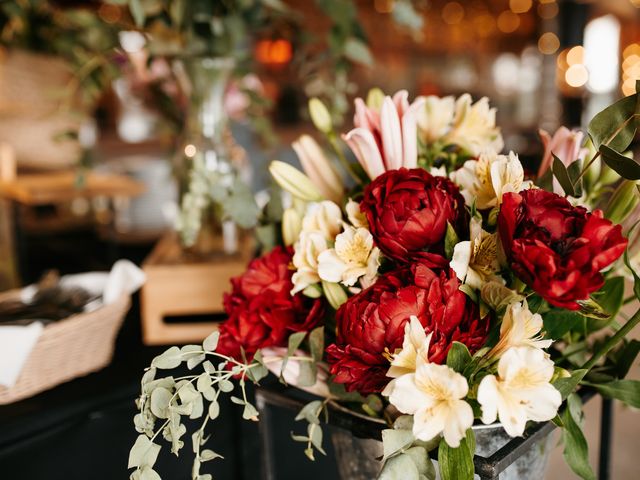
[(181, 285), (57, 187)]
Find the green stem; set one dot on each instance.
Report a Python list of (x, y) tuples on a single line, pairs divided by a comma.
[(629, 299), (613, 340)]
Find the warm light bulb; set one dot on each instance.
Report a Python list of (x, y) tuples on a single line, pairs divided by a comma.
[(576, 75)]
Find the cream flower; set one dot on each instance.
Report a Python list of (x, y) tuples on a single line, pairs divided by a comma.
[(305, 259), (355, 215), (433, 395), (415, 346), (435, 118), (474, 126), (353, 256), (522, 390), (323, 217), (520, 328), (318, 168), (485, 180), (476, 261)]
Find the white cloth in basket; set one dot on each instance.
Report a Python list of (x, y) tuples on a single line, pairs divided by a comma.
[(16, 341)]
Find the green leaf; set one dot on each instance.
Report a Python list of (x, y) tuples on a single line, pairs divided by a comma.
[(143, 453), (171, 358), (400, 467), (558, 322), (457, 463), (137, 12), (450, 241), (611, 295), (574, 170), (458, 357), (226, 386), (636, 277), (624, 166), (627, 391), (605, 127), (315, 436), (561, 174), (567, 385), (576, 451), (294, 342), (592, 309), (214, 410), (204, 382), (310, 412), (241, 205), (258, 370), (420, 457), (625, 357), (357, 51), (211, 342), (250, 412), (148, 473)]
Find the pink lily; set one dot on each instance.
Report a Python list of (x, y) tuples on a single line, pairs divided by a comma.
[(385, 138), (565, 144)]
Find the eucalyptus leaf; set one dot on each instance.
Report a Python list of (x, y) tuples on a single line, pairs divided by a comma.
[(148, 473), (562, 175), (249, 412), (310, 412), (143, 453), (357, 51), (615, 125), (316, 343), (420, 457), (315, 437), (214, 410), (171, 358), (394, 441), (400, 467), (208, 455), (160, 399), (204, 382), (211, 342), (226, 386)]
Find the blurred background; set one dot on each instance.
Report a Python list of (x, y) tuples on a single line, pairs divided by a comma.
[(105, 108)]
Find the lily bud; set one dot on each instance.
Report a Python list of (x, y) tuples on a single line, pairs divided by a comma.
[(318, 168), (335, 294), (320, 116), (291, 226), (294, 181), (375, 98), (623, 201)]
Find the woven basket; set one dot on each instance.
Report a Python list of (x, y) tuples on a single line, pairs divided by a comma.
[(68, 349)]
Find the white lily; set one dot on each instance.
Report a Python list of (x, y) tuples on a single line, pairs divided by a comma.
[(435, 118), (433, 395), (520, 328), (305, 259), (522, 390), (324, 217), (353, 256), (474, 126), (356, 217), (415, 344), (487, 179), (475, 261)]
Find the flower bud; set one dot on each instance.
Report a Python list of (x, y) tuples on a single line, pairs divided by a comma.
[(375, 98), (335, 294), (291, 226), (318, 168), (623, 201), (294, 181), (320, 116)]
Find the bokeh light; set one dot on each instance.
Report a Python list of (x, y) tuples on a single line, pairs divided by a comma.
[(548, 43), (508, 21)]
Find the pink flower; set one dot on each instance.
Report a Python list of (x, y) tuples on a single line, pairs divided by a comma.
[(565, 144), (385, 138)]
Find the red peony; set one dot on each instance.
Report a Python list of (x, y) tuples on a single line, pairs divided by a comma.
[(262, 312), (408, 211), (555, 248), (371, 324)]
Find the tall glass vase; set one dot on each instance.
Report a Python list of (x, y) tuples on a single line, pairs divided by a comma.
[(204, 158)]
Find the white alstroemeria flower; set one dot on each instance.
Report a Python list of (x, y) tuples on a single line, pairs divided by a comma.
[(487, 179), (433, 395), (305, 259), (356, 217), (520, 328), (476, 261), (324, 217), (415, 348), (522, 390), (353, 256), (439, 171), (435, 118), (474, 126)]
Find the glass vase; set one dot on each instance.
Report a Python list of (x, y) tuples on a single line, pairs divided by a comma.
[(204, 158)]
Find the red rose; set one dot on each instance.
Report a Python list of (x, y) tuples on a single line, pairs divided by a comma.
[(371, 324), (555, 248), (262, 312), (408, 211)]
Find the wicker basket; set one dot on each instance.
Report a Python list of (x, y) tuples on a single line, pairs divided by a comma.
[(67, 349)]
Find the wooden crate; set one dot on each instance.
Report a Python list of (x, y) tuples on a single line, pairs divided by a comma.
[(180, 285)]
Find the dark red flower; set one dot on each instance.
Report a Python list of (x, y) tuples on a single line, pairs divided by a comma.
[(371, 324), (555, 248), (408, 211), (262, 312)]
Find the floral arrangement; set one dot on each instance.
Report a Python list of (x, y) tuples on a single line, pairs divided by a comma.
[(437, 288)]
